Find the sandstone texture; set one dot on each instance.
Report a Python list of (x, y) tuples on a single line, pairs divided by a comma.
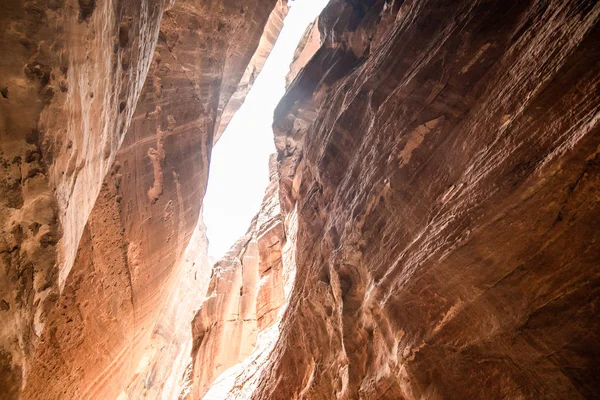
[(307, 47), (230, 103), (101, 227), (164, 369), (443, 158), (70, 75), (430, 229)]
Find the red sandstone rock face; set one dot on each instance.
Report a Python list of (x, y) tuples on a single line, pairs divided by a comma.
[(161, 373), (438, 180), (230, 103), (70, 76), (131, 276), (444, 161), (225, 329)]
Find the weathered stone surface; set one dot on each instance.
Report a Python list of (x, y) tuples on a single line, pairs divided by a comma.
[(224, 329), (164, 367), (70, 75), (431, 231), (240, 381), (230, 38), (133, 247), (443, 158), (229, 103)]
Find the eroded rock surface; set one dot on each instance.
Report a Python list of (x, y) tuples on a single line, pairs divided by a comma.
[(230, 103), (70, 76), (430, 230), (307, 47), (82, 66), (443, 160), (163, 372)]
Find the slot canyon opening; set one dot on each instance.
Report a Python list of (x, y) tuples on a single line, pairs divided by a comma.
[(427, 227), (239, 162), (249, 250)]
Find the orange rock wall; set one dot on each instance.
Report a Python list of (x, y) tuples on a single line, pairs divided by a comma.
[(443, 161), (70, 76), (81, 328)]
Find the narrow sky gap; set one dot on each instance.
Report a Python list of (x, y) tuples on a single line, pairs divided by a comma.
[(239, 165)]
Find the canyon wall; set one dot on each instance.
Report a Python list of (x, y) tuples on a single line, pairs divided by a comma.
[(443, 159), (101, 239), (248, 37), (164, 367), (70, 75), (307, 47), (230, 103), (430, 230)]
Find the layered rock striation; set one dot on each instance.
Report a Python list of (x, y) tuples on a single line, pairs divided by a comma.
[(443, 161), (229, 103), (70, 76), (430, 230), (309, 43)]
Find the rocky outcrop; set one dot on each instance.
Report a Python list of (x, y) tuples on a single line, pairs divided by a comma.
[(243, 301), (430, 230), (70, 75), (116, 301), (224, 329), (239, 31), (164, 368), (443, 161)]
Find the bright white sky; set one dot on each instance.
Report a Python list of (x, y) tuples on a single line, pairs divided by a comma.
[(239, 166)]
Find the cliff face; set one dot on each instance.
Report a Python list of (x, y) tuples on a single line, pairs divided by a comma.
[(164, 367), (81, 328), (70, 75), (307, 47), (430, 230), (245, 295), (443, 160)]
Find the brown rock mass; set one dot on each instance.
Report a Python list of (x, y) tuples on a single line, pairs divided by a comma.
[(230, 103), (98, 317), (443, 158), (244, 297), (307, 47), (70, 75), (430, 229)]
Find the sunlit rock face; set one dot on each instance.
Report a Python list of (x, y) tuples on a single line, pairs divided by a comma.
[(241, 379), (101, 327), (232, 38), (244, 298), (443, 159), (162, 372), (225, 328), (430, 230), (307, 47), (70, 76)]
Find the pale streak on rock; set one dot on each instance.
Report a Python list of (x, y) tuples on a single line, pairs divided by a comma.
[(238, 323)]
